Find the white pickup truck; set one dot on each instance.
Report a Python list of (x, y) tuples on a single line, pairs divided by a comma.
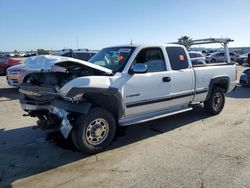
[(120, 86)]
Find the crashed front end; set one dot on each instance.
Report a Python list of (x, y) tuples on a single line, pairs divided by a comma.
[(45, 95), (54, 114)]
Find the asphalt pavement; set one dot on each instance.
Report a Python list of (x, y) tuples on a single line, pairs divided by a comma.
[(191, 149)]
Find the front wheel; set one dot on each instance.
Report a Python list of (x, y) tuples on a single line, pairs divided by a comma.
[(94, 131), (213, 60), (215, 104)]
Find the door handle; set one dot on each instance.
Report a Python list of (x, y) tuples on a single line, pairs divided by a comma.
[(166, 79)]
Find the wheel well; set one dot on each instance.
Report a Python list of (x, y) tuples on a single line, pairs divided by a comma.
[(220, 82), (26, 78), (111, 103), (223, 85)]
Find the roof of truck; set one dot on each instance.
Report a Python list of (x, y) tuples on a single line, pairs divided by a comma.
[(146, 45)]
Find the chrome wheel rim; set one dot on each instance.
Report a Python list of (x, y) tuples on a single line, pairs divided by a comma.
[(97, 131), (217, 101)]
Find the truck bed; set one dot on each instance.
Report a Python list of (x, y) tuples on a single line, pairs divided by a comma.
[(204, 74)]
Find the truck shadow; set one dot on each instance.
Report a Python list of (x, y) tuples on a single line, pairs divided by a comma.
[(240, 92), (52, 151), (7, 94)]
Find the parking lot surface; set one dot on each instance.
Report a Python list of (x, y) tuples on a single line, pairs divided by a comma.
[(186, 150)]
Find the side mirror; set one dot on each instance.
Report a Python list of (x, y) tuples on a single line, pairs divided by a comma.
[(139, 68)]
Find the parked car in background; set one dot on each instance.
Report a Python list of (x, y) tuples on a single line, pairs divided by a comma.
[(18, 74), (245, 78), (6, 62), (26, 54), (84, 55), (242, 58), (220, 57), (197, 58)]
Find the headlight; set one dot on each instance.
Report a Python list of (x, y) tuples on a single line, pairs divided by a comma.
[(15, 72)]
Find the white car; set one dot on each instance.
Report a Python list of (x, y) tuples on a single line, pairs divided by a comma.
[(19, 74), (120, 86), (220, 57)]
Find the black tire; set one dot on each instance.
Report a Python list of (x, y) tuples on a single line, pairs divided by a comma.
[(94, 131), (213, 60), (215, 104), (73, 137), (26, 78)]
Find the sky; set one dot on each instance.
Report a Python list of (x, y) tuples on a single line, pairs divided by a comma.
[(58, 24)]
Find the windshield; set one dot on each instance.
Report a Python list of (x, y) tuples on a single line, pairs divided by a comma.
[(113, 58)]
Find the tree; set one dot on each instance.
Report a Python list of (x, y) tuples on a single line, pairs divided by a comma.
[(185, 41)]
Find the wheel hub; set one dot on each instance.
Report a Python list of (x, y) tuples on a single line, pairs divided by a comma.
[(217, 101), (97, 131)]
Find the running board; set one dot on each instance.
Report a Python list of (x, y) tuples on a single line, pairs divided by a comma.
[(152, 116)]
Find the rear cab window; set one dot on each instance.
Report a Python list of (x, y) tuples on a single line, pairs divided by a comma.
[(177, 58)]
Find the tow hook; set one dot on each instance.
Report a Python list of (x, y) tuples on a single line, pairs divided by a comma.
[(65, 126)]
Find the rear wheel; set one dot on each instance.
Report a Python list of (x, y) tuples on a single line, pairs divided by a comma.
[(215, 104), (94, 131)]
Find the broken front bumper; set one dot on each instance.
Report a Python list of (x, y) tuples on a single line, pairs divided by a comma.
[(60, 108)]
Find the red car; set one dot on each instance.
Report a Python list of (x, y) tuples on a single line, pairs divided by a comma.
[(6, 62)]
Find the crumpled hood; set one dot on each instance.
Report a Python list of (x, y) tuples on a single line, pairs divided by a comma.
[(47, 62)]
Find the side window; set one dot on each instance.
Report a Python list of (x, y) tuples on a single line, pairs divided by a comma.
[(3, 60), (153, 58), (199, 55), (177, 57), (192, 55), (83, 56), (68, 54)]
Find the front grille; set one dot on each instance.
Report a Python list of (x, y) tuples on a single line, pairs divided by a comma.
[(15, 81)]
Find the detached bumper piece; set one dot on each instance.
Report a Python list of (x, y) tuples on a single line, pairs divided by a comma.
[(65, 126), (62, 109)]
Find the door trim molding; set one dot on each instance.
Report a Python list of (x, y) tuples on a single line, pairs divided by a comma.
[(157, 100)]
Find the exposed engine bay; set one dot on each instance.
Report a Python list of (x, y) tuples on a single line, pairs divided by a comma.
[(61, 74)]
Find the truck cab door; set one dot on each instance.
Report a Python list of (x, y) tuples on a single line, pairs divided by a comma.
[(182, 76), (147, 92)]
